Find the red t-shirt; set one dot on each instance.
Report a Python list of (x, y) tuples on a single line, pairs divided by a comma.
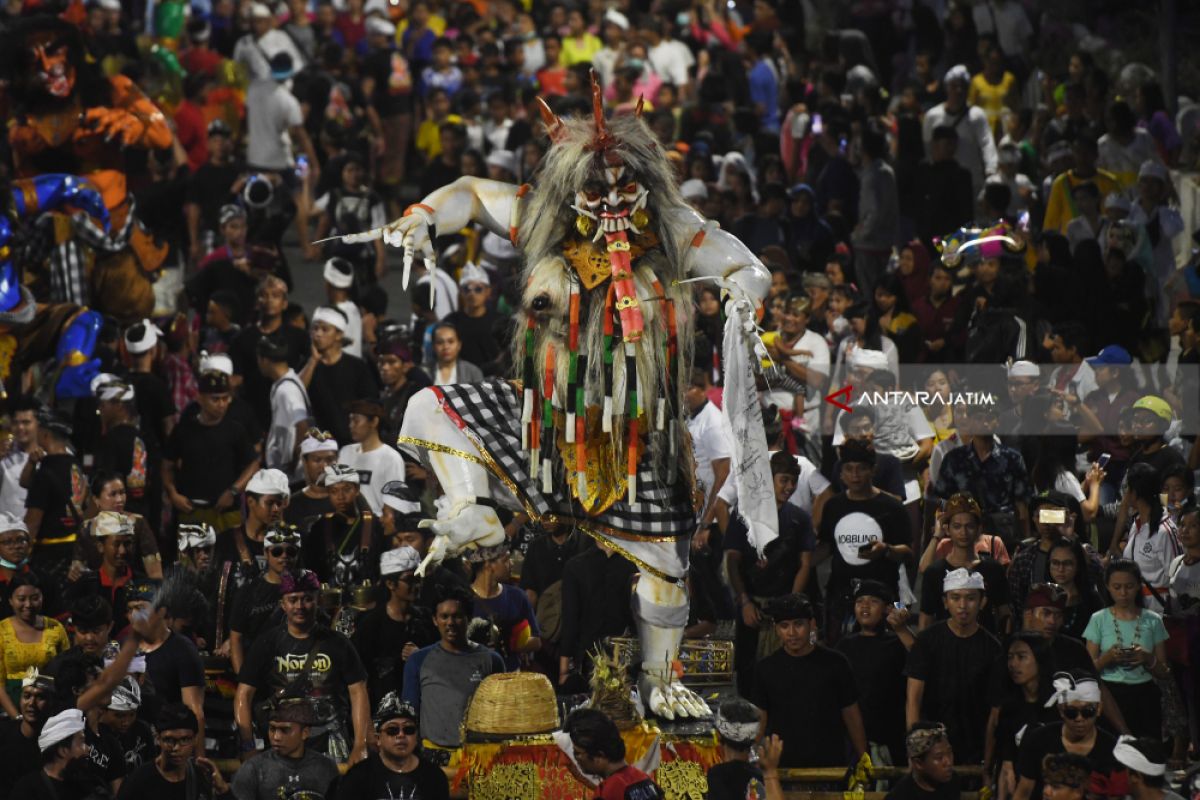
[(192, 131), (629, 783)]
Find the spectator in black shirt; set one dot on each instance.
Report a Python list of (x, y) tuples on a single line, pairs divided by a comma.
[(19, 737), (256, 607), (210, 189), (734, 778), (56, 499), (446, 167), (237, 266), (542, 573), (318, 450), (271, 296), (945, 200), (476, 320), (343, 547), (176, 770), (62, 745), (333, 377), (155, 409), (122, 449), (397, 769), (961, 522), (951, 668), (401, 377), (931, 765), (888, 475), (209, 459), (595, 604), (806, 692)]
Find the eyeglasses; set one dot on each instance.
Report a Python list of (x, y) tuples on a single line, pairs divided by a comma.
[(1056, 564), (284, 550), (399, 730), (475, 289), (171, 742), (1073, 713)]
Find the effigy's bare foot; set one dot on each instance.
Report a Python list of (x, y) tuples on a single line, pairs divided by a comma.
[(670, 699)]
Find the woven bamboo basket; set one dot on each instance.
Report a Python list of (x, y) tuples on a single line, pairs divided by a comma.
[(512, 704)]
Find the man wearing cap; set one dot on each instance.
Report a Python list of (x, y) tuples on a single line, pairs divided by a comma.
[(992, 473), (304, 657), (400, 375), (255, 50), (1162, 222), (976, 148), (271, 298), (318, 450), (177, 731), (1077, 698), (1101, 410), (18, 737), (377, 464), (1152, 416), (396, 770), (61, 744), (209, 189), (289, 404), (1024, 380), (256, 604), (388, 634), (289, 766), (951, 668), (209, 459), (817, 722), (343, 546), (339, 278), (476, 320), (57, 497), (334, 377)]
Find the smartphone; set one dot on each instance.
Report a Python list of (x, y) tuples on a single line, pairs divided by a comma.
[(866, 549), (817, 125), (1052, 516), (1103, 460), (899, 606)]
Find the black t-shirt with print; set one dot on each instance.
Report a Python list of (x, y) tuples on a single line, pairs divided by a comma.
[(137, 744), (803, 697), (371, 778), (995, 581), (146, 781), (1047, 740), (105, 761), (211, 457), (848, 524), (277, 659), (730, 781), (256, 609), (302, 510), (59, 490), (126, 451)]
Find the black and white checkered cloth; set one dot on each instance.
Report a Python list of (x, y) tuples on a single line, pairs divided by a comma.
[(491, 413), (68, 260)]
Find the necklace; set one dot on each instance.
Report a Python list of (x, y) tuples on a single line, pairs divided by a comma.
[(1137, 634)]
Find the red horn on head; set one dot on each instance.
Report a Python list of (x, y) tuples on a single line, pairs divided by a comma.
[(597, 106), (554, 126)]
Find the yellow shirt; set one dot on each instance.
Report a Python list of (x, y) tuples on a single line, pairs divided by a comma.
[(429, 138), (577, 51), (1060, 207), (16, 657), (990, 97), (436, 24)]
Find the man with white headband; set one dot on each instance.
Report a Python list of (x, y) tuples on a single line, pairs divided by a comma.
[(343, 546), (339, 279), (1147, 765), (121, 719), (196, 544), (256, 606), (62, 744), (951, 665), (318, 450), (1077, 697), (267, 494), (477, 320), (737, 726), (334, 377), (155, 408)]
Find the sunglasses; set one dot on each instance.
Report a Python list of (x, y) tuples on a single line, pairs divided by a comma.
[(1087, 712), (284, 550), (398, 730)]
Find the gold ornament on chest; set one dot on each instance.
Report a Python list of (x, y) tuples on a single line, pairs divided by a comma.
[(590, 260)]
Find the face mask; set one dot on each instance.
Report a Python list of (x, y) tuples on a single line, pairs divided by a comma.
[(10, 565)]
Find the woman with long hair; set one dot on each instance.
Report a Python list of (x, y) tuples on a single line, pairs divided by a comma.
[(1053, 469), (940, 413), (1127, 643), (865, 333), (892, 309), (1151, 538), (1023, 707), (1067, 564)]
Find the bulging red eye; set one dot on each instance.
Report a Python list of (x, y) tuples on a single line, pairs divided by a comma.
[(630, 188)]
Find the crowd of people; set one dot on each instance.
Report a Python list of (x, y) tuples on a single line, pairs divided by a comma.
[(954, 200)]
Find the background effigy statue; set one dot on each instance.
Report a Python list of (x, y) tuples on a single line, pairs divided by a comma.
[(592, 433)]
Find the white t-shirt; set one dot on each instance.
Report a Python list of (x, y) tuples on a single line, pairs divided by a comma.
[(671, 60), (1185, 582), (271, 110), (12, 496), (354, 328), (818, 362), (809, 486), (1153, 554), (375, 468), (289, 406), (256, 55), (711, 441)]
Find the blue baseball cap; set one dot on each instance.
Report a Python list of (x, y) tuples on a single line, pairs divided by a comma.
[(1112, 356)]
